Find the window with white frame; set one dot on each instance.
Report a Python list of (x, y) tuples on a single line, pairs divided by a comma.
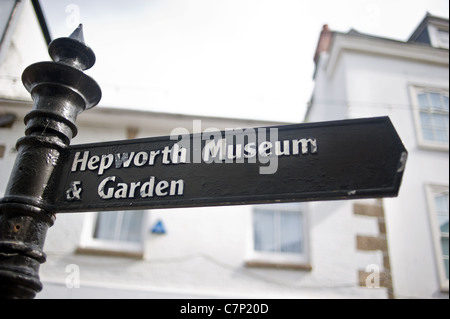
[(443, 39), (279, 235), (439, 216), (431, 112), (120, 231), (438, 36)]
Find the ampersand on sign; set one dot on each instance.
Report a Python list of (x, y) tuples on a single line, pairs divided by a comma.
[(74, 192)]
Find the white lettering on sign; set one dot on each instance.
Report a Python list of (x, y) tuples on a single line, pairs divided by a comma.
[(82, 160), (214, 151), (234, 146), (109, 188)]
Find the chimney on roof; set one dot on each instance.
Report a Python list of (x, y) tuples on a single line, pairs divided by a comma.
[(324, 42)]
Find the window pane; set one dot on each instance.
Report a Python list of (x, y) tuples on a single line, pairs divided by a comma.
[(441, 136), (434, 117), (119, 226), (443, 224), (131, 229), (291, 232), (439, 121), (441, 203), (105, 227), (428, 134), (425, 119), (443, 38), (442, 211), (435, 101), (445, 101), (446, 267), (440, 126), (264, 231), (444, 243), (423, 101)]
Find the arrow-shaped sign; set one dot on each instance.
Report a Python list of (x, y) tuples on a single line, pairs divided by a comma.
[(306, 162)]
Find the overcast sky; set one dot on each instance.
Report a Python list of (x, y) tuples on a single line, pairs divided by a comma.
[(230, 58)]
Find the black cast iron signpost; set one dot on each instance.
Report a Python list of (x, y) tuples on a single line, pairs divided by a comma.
[(346, 159)]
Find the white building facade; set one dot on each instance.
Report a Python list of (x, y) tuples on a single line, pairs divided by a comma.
[(363, 76)]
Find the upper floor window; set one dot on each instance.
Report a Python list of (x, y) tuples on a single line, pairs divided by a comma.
[(443, 38), (431, 112), (438, 35), (439, 215)]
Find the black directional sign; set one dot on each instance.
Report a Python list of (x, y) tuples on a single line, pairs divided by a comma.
[(305, 162)]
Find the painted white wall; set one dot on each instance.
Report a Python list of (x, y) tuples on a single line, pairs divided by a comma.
[(27, 45), (384, 83), (377, 84), (329, 96)]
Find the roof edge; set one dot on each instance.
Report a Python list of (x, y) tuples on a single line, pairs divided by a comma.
[(422, 25), (24, 106)]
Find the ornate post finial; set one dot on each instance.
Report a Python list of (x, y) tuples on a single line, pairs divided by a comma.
[(60, 88), (72, 50)]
